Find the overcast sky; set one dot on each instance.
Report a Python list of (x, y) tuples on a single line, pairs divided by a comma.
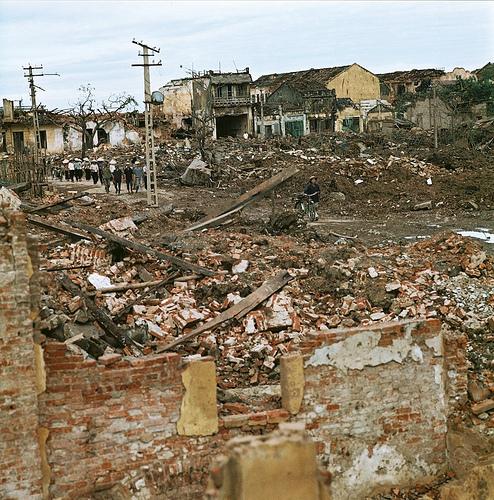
[(90, 41)]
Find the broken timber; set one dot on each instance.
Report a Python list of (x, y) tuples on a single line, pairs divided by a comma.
[(58, 227), (100, 316), (145, 294), (238, 310), (261, 190), (138, 247), (126, 286), (54, 204)]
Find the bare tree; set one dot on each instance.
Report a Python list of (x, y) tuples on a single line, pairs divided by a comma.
[(202, 115), (86, 110)]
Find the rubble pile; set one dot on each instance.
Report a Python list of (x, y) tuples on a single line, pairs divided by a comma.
[(345, 285)]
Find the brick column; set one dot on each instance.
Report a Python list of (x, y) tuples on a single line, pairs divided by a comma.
[(19, 453)]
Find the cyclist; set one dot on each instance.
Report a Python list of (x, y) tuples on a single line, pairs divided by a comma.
[(313, 191)]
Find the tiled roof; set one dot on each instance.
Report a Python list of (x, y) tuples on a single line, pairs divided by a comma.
[(315, 78), (411, 75)]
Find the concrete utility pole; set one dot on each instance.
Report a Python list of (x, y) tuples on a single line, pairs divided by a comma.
[(152, 192), (37, 136)]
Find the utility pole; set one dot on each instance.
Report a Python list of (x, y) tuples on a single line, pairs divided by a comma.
[(152, 191), (30, 76)]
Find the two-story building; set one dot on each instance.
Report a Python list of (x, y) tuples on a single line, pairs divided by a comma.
[(221, 99)]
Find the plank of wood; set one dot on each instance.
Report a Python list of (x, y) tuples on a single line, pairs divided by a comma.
[(238, 310), (59, 227), (55, 203), (102, 318), (64, 268), (254, 194), (139, 247), (123, 287), (138, 300)]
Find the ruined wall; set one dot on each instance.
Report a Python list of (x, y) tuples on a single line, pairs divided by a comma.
[(177, 103), (19, 453), (136, 421), (375, 401), (105, 420), (356, 83), (422, 114)]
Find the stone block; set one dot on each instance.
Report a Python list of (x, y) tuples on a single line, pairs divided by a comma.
[(292, 382), (478, 484), (272, 466), (198, 412)]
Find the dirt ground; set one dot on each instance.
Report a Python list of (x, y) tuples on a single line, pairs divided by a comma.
[(383, 227)]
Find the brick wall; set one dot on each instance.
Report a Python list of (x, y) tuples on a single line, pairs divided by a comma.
[(115, 421), (19, 454), (375, 400)]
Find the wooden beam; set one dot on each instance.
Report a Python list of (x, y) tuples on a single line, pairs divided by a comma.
[(102, 318), (139, 247), (123, 287), (64, 268), (54, 204), (138, 300), (58, 227), (237, 311), (254, 194)]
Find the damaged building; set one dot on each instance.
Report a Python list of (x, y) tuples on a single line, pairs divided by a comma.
[(221, 100), (350, 85), (411, 81), (57, 132), (297, 107)]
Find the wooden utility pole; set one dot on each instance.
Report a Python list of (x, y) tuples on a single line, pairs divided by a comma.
[(34, 109), (152, 191)]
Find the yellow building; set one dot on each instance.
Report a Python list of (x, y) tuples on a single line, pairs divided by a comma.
[(352, 81)]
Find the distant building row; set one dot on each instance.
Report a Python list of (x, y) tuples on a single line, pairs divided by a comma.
[(300, 102), (344, 98)]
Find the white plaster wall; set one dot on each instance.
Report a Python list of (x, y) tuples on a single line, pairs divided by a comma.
[(74, 140)]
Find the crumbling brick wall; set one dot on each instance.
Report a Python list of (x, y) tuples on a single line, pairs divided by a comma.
[(106, 420), (19, 452), (115, 421), (375, 400)]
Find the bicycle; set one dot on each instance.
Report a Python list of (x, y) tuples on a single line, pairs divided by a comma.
[(305, 206)]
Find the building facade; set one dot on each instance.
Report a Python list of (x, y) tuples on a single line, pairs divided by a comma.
[(57, 134), (219, 101)]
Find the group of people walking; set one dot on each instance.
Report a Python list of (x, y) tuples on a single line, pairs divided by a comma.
[(106, 172)]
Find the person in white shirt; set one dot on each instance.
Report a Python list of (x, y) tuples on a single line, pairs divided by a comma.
[(112, 166), (94, 172), (71, 171)]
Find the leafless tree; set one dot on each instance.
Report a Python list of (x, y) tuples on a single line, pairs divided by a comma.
[(202, 115), (86, 110)]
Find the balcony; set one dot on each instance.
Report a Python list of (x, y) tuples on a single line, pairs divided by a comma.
[(231, 101)]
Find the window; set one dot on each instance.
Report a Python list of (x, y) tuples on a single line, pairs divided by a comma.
[(102, 135), (18, 141), (230, 90), (43, 144), (89, 137), (3, 145)]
